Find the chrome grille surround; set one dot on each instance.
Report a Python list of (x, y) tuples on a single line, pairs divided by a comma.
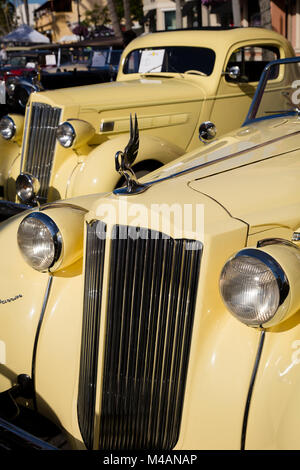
[(94, 261), (152, 289), (40, 140)]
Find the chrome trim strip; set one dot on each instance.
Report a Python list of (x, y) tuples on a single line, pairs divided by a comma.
[(275, 241), (24, 136), (36, 339), (260, 89), (55, 205), (250, 390)]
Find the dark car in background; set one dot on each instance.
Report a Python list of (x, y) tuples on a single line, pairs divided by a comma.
[(27, 70)]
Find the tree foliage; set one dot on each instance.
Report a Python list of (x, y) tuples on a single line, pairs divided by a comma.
[(136, 7), (97, 16), (7, 17)]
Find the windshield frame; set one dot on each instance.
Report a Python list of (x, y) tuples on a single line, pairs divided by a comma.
[(250, 118)]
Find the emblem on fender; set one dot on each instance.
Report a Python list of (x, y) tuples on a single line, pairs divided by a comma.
[(124, 161)]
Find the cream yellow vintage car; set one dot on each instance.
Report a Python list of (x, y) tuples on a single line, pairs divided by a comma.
[(165, 314), (173, 81)]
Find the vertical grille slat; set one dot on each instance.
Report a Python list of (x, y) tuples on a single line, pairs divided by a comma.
[(149, 325), (94, 261), (152, 288), (38, 159)]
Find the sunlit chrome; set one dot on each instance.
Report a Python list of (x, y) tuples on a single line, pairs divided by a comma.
[(32, 244), (39, 143), (65, 134), (124, 161), (7, 127), (207, 131), (27, 188)]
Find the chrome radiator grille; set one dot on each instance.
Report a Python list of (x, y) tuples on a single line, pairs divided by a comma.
[(41, 144), (90, 332), (149, 320)]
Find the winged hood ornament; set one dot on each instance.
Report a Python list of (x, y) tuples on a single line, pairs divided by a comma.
[(124, 161)]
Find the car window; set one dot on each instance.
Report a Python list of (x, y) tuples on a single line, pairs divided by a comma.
[(170, 59), (115, 57), (251, 61)]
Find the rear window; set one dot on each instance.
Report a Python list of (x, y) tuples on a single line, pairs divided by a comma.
[(177, 59)]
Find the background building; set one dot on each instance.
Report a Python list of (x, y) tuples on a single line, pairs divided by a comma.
[(281, 15), (21, 15), (58, 18)]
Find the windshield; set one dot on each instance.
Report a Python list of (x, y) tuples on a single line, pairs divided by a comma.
[(278, 92), (178, 59)]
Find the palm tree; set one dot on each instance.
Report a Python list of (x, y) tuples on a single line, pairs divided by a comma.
[(114, 18), (127, 14), (26, 11), (178, 14), (265, 13), (236, 12)]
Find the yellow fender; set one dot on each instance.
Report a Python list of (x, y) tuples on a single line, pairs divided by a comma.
[(97, 171), (10, 152)]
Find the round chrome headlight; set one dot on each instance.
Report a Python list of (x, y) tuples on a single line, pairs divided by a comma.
[(40, 241), (27, 187), (11, 87), (65, 134), (253, 286), (7, 128)]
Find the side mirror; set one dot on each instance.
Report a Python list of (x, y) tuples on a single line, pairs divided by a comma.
[(207, 131), (233, 72)]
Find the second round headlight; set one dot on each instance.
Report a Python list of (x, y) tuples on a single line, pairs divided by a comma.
[(40, 241), (7, 128), (65, 134), (253, 286)]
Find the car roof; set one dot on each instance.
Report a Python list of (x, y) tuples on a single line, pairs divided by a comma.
[(215, 37)]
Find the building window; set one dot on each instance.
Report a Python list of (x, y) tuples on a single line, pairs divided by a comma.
[(170, 19)]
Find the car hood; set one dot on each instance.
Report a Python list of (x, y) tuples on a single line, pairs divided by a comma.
[(145, 91), (253, 173)]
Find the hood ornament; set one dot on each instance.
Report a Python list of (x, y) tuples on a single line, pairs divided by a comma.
[(124, 161)]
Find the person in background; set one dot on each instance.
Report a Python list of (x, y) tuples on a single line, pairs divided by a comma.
[(3, 54)]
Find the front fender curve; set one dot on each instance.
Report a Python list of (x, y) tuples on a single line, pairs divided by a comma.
[(98, 174), (22, 291), (274, 416), (9, 155)]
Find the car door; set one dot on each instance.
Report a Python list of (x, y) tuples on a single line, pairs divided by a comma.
[(234, 95)]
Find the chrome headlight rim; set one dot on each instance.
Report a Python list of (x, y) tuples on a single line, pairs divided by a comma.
[(274, 266), (56, 239), (13, 127), (60, 137), (279, 275)]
